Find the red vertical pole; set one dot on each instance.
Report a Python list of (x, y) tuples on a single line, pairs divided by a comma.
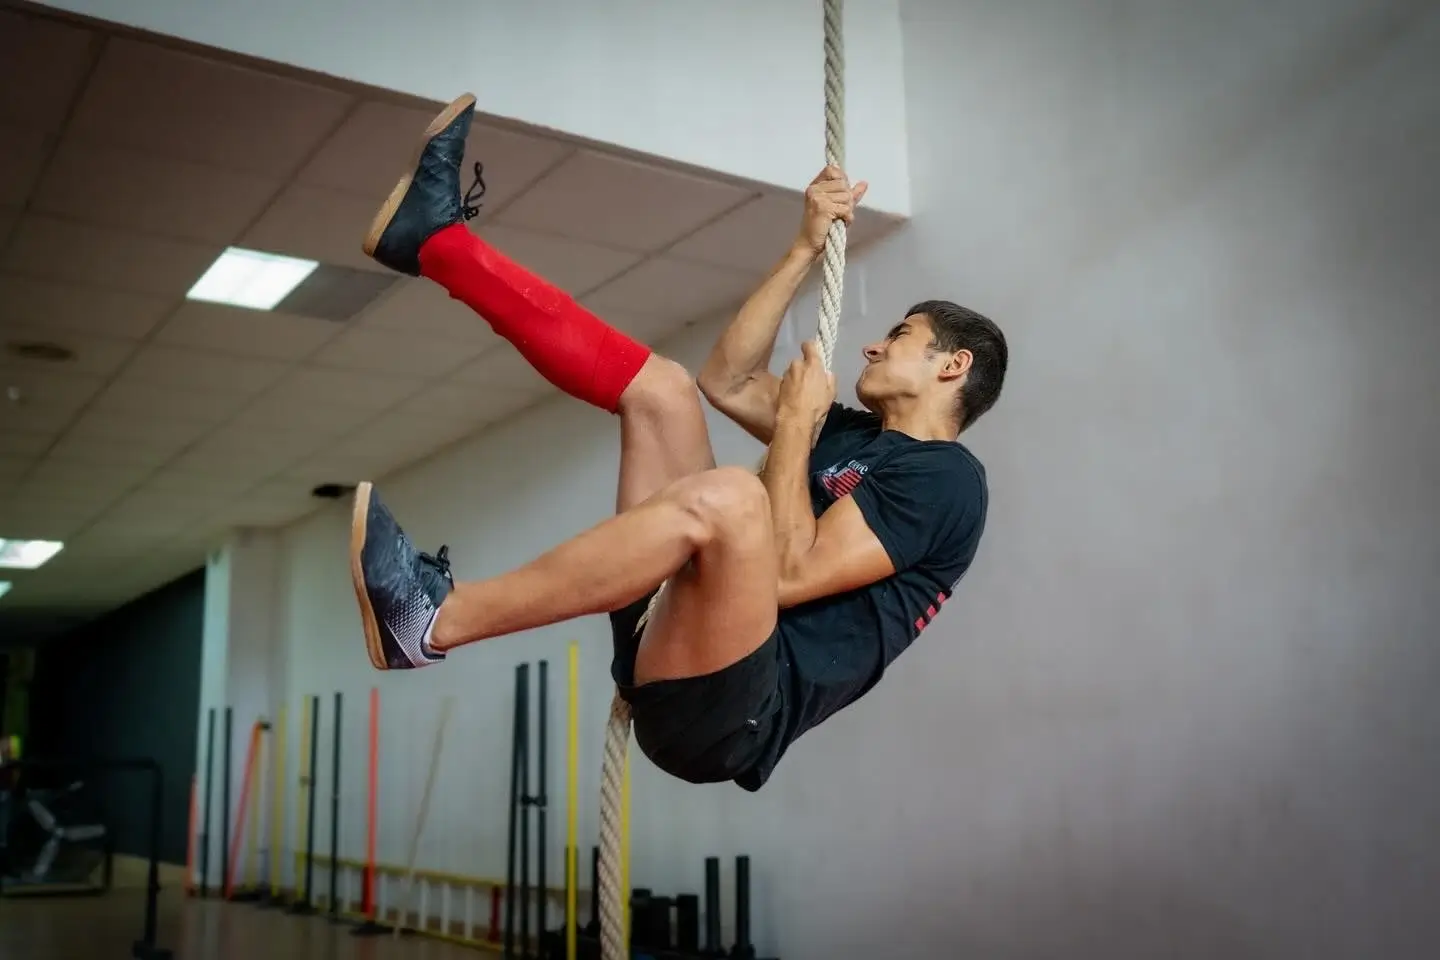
[(240, 815), (368, 906), (190, 839)]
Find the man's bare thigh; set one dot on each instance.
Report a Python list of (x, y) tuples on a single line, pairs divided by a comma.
[(663, 435), (723, 605)]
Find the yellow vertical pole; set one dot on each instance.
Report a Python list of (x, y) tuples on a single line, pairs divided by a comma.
[(305, 787), (277, 806), (572, 804)]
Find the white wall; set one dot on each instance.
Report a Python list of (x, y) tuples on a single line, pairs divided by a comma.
[(1184, 706), (736, 87)]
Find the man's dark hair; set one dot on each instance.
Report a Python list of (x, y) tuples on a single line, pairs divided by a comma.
[(960, 328)]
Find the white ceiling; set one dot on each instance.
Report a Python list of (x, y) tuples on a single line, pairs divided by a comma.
[(127, 163)]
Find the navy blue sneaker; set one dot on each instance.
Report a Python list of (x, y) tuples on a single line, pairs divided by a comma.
[(427, 199), (399, 588)]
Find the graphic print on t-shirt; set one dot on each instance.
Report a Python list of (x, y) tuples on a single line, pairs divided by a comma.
[(841, 479)]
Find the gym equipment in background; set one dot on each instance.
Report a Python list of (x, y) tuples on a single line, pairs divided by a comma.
[(55, 843), (664, 927), (90, 771)]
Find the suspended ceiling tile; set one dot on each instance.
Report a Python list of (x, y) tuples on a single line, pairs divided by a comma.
[(246, 451), (199, 486), (22, 157), (155, 527), (176, 104), (510, 404), (166, 366), (42, 64), (65, 306), (502, 370), (378, 143), (171, 433), (251, 333), (572, 265), (149, 453), (751, 237), (421, 308), (247, 513), (621, 203), (22, 443), (276, 411), (136, 399), (673, 289), (71, 480), (155, 509), (15, 467), (403, 438), (362, 391), (53, 387), (46, 248), (460, 399), (32, 517), (329, 468), (100, 356), (386, 352), (317, 224), (43, 420), (116, 187)]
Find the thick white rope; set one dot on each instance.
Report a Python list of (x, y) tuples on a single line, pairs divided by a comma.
[(617, 730)]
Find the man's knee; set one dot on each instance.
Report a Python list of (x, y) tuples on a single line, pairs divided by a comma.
[(659, 386), (728, 503)]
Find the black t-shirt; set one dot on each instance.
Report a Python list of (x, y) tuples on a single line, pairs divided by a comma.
[(926, 501)]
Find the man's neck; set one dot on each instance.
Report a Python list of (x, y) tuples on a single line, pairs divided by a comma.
[(920, 424)]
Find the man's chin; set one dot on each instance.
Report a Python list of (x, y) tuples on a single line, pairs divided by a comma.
[(867, 400)]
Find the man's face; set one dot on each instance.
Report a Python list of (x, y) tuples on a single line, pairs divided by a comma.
[(901, 365)]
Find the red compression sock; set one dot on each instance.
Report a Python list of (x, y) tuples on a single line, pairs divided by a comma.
[(567, 344)]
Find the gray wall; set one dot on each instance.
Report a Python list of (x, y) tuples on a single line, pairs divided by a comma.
[(1181, 707), (1188, 702)]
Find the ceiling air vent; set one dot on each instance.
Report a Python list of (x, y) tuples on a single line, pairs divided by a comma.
[(41, 350)]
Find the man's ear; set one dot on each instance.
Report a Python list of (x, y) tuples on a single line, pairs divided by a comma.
[(957, 365)]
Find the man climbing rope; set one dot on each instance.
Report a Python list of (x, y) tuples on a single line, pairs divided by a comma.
[(789, 593)]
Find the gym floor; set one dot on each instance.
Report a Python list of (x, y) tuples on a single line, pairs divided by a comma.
[(107, 926)]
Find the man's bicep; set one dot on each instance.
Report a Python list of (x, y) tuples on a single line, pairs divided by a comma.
[(751, 405), (846, 555)]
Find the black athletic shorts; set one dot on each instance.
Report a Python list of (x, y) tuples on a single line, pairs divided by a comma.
[(702, 729)]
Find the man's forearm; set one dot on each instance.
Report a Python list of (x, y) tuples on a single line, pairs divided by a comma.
[(786, 479), (745, 347)]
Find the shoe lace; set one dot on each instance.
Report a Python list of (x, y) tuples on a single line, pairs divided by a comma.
[(471, 206), (439, 563)]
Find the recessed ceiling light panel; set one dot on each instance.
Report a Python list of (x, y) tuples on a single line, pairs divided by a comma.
[(27, 554), (250, 278)]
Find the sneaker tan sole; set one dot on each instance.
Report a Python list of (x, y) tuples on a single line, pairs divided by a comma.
[(392, 202), (357, 574)]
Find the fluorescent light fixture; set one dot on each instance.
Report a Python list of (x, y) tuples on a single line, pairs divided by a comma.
[(249, 278), (4, 587), (27, 554)]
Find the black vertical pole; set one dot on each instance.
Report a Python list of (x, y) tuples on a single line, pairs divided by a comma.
[(152, 885), (712, 907), (514, 814), (744, 949), (335, 815), (592, 929), (525, 802), (225, 806), (542, 895), (205, 826)]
